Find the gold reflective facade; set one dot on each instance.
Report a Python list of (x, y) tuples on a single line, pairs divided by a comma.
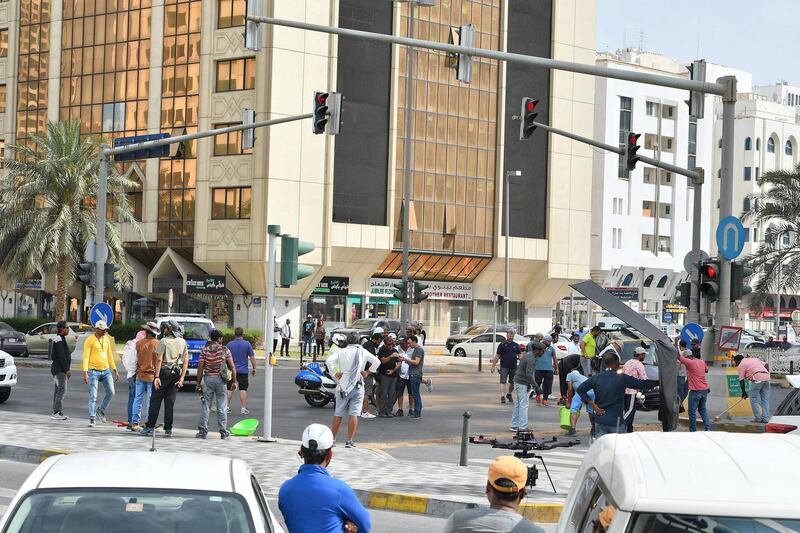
[(34, 48), (454, 137)]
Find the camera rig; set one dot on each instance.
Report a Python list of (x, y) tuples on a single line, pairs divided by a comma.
[(524, 443)]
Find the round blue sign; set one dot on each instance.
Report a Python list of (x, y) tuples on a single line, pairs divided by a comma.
[(692, 331), (101, 311), (730, 237)]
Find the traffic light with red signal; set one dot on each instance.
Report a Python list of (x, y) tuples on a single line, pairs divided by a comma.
[(630, 150), (320, 118), (709, 279), (528, 116)]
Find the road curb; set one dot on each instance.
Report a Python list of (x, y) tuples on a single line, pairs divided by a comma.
[(22, 454), (548, 513)]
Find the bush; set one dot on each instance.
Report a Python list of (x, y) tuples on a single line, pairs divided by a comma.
[(253, 336), (124, 332), (24, 324)]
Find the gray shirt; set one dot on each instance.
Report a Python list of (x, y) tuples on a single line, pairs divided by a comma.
[(524, 375), (418, 353), (487, 520)]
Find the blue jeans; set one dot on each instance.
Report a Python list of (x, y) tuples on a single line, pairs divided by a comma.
[(759, 397), (605, 429), (131, 396), (305, 347), (683, 388), (214, 388), (104, 377), (416, 381), (697, 402), (141, 399), (519, 419)]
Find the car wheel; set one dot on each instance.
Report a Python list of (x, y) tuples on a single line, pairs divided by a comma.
[(460, 352), (4, 394), (315, 400), (26, 353)]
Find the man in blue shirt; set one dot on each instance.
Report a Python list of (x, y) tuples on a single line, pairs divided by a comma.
[(544, 371), (508, 354), (242, 352), (313, 501), (609, 390)]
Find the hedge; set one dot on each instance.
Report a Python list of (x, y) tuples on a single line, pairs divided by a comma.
[(254, 336), (24, 324)]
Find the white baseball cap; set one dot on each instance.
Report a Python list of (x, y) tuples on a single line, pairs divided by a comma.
[(378, 330), (101, 324), (639, 350), (317, 437), (393, 336)]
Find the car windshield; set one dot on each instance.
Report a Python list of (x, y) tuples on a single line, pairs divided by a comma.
[(74, 511), (672, 523), (474, 330), (364, 323), (5, 327), (195, 331)]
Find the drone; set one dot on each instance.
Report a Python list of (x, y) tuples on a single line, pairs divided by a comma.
[(524, 443)]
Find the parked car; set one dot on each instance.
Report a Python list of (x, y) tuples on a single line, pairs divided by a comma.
[(37, 340), (787, 417), (638, 482), (471, 331), (483, 342), (196, 330), (364, 327), (561, 345), (754, 345), (12, 341), (8, 375), (191, 492)]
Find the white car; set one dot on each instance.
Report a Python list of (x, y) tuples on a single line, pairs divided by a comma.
[(669, 482), (140, 491), (483, 343), (787, 416), (8, 375)]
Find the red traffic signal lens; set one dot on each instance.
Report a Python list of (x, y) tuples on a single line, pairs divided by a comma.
[(322, 98), (634, 138), (710, 271), (531, 106)]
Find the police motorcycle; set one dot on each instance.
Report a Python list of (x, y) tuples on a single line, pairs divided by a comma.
[(316, 385)]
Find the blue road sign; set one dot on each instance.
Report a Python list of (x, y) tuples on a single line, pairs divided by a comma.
[(667, 317), (161, 151), (692, 331), (101, 311), (730, 237)]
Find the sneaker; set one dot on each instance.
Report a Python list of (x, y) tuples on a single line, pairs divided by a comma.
[(146, 431), (168, 433), (538, 398), (136, 427), (224, 434), (367, 414), (58, 416), (399, 412), (415, 417), (101, 416), (229, 410), (509, 398), (502, 399), (429, 384), (513, 429), (349, 444), (245, 411), (571, 432), (410, 412), (91, 422), (544, 402), (201, 434)]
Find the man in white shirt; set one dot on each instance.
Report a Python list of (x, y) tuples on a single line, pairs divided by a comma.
[(286, 335), (347, 363)]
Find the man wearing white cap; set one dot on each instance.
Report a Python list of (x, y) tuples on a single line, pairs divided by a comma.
[(313, 501), (98, 366)]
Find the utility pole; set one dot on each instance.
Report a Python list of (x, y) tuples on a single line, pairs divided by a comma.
[(693, 313), (506, 227), (100, 247), (273, 231)]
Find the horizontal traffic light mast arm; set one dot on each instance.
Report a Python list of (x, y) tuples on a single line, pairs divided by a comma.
[(621, 151), (581, 68), (108, 152)]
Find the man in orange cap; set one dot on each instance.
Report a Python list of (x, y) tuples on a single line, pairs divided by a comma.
[(505, 489)]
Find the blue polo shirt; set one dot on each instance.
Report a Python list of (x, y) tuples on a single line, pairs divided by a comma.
[(241, 351), (509, 353), (609, 394), (314, 502), (545, 362)]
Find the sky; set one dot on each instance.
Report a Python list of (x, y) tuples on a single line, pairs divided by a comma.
[(757, 36)]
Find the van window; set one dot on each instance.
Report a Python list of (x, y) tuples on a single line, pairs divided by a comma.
[(583, 499), (790, 406), (672, 523)]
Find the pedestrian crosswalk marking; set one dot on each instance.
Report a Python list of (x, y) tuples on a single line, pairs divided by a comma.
[(7, 493)]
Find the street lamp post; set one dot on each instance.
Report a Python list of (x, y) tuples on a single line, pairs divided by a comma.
[(506, 224)]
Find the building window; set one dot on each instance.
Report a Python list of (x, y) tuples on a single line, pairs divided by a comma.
[(669, 111), (770, 145), (669, 143), (236, 74), (652, 109), (668, 178), (746, 205), (748, 144), (746, 234), (229, 143), (758, 144), (748, 173), (755, 234), (628, 279), (758, 173), (625, 124), (788, 148), (663, 281), (648, 280), (231, 13), (647, 243), (4, 42), (664, 245), (230, 203), (113, 117), (647, 209), (3, 92)]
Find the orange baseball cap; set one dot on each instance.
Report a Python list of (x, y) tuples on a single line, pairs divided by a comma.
[(508, 474)]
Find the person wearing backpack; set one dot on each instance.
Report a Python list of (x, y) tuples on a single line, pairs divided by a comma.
[(214, 370)]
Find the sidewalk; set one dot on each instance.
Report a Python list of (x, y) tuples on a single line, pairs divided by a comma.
[(381, 481)]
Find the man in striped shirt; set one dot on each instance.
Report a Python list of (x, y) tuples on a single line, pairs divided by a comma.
[(213, 356)]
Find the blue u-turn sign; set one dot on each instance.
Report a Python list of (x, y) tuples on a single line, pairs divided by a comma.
[(730, 237)]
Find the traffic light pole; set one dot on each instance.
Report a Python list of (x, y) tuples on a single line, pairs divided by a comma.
[(269, 329), (100, 247), (693, 313)]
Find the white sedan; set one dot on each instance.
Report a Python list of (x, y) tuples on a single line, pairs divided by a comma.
[(8, 375), (186, 492), (787, 417), (483, 343)]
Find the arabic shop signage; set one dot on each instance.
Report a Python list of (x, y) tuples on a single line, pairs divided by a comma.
[(437, 290), (30, 284), (332, 285), (205, 284), (624, 293)]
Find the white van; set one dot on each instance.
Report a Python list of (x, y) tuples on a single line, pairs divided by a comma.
[(679, 482)]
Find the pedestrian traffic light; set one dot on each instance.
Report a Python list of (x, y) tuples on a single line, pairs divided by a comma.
[(499, 300), (418, 294), (110, 277), (401, 291), (630, 150), (684, 293), (86, 274), (696, 101), (248, 135), (709, 279), (528, 116), (739, 288), (252, 29), (320, 118), (291, 270)]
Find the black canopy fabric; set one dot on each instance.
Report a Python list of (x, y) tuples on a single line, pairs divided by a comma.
[(665, 349)]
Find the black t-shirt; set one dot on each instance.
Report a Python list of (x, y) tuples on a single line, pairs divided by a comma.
[(570, 363), (308, 328), (509, 353), (385, 367)]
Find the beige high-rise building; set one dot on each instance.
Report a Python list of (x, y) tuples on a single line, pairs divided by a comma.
[(131, 67)]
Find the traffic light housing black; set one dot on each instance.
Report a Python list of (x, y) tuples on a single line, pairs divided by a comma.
[(86, 274), (696, 101), (528, 116), (500, 300), (630, 151), (418, 295), (110, 276), (739, 288), (320, 118), (684, 293), (401, 291), (709, 279), (291, 270)]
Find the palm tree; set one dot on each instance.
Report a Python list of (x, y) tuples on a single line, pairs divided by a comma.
[(47, 207), (776, 261)]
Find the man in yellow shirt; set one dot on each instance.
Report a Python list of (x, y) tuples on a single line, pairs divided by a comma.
[(98, 365), (588, 350)]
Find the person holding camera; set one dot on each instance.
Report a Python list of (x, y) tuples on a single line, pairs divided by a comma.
[(505, 489), (349, 363)]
